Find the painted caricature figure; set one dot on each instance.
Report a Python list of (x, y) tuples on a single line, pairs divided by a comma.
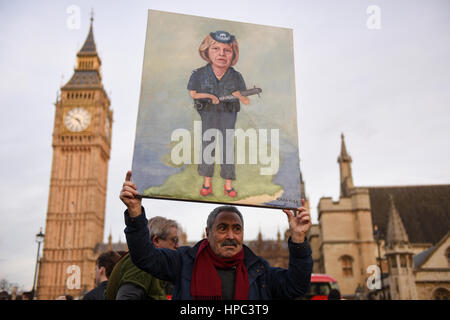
[(206, 85)]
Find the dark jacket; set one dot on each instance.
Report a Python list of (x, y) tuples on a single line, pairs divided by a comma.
[(97, 293), (203, 80), (265, 282)]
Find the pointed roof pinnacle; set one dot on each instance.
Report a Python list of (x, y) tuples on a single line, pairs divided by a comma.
[(87, 70), (344, 156), (345, 169), (92, 15), (89, 47), (396, 232), (109, 246)]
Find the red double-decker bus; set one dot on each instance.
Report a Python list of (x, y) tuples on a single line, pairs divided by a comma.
[(321, 285)]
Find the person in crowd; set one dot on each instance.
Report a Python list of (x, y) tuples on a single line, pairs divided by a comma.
[(220, 266), (128, 282), (103, 268)]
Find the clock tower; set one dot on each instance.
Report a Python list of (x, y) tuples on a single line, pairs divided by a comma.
[(76, 205)]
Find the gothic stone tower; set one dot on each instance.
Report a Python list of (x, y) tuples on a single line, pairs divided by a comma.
[(347, 245), (76, 205), (400, 258)]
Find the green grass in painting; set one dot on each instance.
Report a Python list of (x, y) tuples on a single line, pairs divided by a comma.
[(187, 184)]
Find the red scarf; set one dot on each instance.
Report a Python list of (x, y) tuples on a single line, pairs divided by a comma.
[(206, 283)]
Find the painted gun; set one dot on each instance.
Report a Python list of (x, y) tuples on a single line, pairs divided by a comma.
[(199, 103)]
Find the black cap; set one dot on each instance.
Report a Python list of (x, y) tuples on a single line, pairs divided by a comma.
[(222, 36)]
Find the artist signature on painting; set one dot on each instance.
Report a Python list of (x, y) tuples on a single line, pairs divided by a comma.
[(288, 200)]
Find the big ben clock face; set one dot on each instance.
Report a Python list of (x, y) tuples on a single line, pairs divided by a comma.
[(77, 119)]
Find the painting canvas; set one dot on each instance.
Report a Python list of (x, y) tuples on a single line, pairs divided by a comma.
[(217, 118)]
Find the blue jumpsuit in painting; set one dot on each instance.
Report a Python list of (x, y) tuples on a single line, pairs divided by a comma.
[(220, 116)]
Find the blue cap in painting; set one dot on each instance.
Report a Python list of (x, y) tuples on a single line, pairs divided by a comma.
[(222, 36)]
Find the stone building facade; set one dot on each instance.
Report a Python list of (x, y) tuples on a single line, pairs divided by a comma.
[(401, 229)]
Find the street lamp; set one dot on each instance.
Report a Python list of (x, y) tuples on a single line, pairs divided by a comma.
[(39, 239), (377, 235)]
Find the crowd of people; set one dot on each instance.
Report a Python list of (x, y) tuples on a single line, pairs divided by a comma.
[(26, 295), (217, 267)]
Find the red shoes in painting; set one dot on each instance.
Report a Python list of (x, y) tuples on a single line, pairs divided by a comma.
[(231, 192), (205, 190)]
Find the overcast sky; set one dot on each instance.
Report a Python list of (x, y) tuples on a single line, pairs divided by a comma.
[(387, 89)]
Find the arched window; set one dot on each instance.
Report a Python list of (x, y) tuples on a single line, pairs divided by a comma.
[(441, 294), (403, 261), (347, 266), (393, 261)]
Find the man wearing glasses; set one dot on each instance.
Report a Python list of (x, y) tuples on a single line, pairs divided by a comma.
[(128, 282)]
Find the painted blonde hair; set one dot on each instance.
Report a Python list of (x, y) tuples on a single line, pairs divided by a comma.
[(209, 41)]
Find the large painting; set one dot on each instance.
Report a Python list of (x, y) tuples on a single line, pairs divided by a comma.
[(217, 119)]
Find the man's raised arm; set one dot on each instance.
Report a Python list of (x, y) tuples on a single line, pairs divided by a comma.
[(161, 263), (295, 281)]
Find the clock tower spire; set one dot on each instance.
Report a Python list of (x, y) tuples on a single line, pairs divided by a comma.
[(76, 205)]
